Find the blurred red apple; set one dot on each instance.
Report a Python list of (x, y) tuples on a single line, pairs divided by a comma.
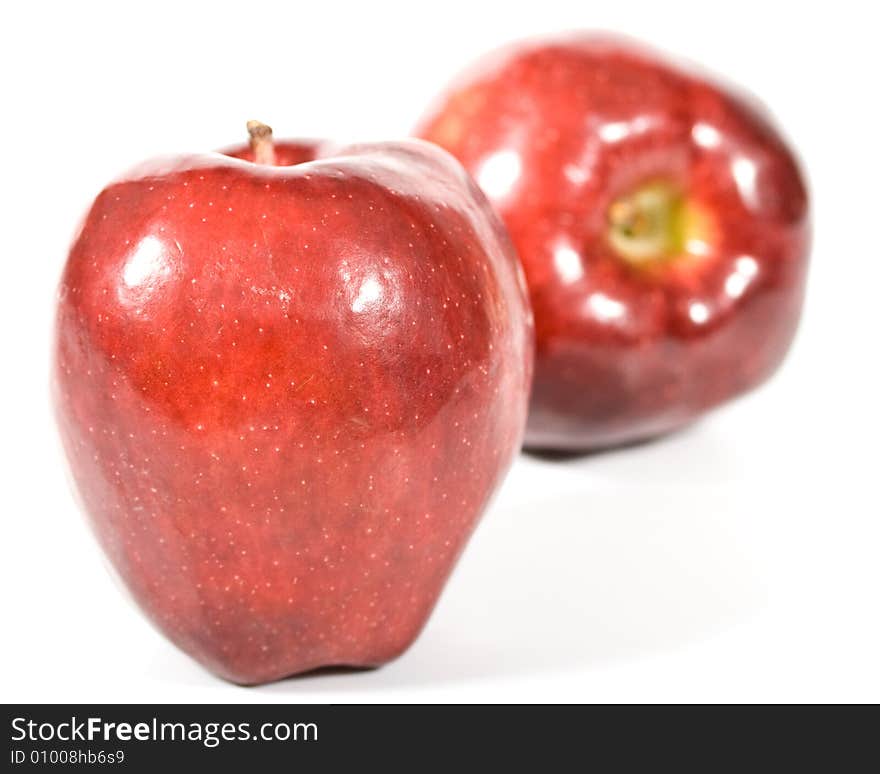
[(661, 220), (287, 393)]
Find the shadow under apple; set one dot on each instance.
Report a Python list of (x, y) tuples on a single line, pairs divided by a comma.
[(618, 567), (578, 563)]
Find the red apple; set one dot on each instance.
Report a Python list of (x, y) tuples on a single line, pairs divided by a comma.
[(287, 393), (661, 220)]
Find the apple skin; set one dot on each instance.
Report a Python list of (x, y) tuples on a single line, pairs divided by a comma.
[(287, 393), (556, 131)]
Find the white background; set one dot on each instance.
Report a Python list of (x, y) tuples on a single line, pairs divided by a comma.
[(735, 561)]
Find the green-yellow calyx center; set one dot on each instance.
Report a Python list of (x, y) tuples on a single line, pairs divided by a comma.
[(650, 225)]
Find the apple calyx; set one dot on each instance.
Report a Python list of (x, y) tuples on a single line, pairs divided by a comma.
[(261, 142), (650, 225)]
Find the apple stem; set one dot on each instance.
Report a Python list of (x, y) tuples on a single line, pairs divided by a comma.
[(261, 142), (628, 219), (644, 227)]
